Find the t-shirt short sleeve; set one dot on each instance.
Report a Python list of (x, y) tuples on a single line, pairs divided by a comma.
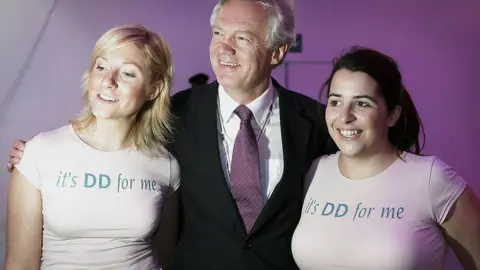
[(29, 164), (446, 185), (174, 173)]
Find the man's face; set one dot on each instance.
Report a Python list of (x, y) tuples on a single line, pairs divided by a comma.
[(239, 53)]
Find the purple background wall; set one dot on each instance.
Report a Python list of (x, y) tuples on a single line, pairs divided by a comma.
[(435, 43)]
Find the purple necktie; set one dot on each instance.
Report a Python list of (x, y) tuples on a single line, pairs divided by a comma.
[(245, 170)]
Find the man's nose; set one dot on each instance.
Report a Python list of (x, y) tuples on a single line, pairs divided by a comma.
[(226, 46)]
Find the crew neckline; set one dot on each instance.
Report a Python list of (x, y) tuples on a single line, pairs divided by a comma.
[(368, 179), (84, 144)]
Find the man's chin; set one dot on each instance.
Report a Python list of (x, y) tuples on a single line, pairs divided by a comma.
[(228, 81)]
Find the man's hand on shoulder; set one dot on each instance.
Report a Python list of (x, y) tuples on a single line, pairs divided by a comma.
[(15, 154)]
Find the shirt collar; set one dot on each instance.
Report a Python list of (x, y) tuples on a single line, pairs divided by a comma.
[(259, 106)]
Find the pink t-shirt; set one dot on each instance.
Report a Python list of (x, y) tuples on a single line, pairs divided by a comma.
[(100, 209), (389, 221)]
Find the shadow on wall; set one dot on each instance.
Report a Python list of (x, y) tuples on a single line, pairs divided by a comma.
[(198, 79)]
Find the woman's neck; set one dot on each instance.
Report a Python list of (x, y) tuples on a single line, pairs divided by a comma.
[(107, 135), (366, 166)]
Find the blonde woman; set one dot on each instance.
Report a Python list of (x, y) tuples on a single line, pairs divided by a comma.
[(87, 195)]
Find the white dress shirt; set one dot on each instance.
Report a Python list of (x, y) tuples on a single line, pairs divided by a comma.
[(269, 144)]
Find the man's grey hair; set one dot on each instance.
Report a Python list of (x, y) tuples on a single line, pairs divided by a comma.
[(281, 21)]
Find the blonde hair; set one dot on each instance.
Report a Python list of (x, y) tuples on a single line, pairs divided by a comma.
[(152, 126)]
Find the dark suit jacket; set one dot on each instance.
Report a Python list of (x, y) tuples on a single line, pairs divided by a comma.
[(212, 236)]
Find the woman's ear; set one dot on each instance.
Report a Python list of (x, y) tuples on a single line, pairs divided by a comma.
[(154, 91), (394, 115)]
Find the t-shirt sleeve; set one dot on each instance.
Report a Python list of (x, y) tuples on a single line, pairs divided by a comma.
[(29, 164), (174, 173), (446, 185)]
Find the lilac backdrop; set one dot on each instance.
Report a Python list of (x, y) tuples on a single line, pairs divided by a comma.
[(434, 42)]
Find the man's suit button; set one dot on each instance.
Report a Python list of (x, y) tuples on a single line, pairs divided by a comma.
[(247, 246)]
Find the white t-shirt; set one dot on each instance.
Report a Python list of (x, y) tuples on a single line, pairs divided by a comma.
[(100, 209), (389, 221)]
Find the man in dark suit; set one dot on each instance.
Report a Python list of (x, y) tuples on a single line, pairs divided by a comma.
[(244, 144), (223, 227)]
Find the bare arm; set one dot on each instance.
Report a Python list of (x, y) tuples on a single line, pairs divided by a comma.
[(166, 237), (462, 229), (24, 225)]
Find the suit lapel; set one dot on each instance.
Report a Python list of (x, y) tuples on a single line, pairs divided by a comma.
[(295, 128), (205, 131)]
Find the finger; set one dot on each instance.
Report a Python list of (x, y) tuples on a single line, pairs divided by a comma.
[(14, 153), (18, 144), (10, 167), (14, 161)]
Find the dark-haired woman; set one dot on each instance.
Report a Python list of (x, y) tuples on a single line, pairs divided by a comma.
[(377, 203)]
